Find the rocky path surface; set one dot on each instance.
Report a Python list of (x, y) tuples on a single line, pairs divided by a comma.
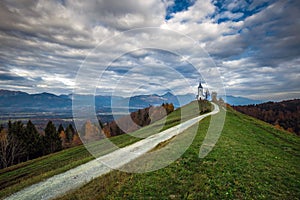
[(78, 176)]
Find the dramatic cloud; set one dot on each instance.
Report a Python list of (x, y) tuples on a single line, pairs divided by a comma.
[(254, 44)]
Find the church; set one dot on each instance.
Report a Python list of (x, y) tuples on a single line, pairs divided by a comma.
[(201, 94)]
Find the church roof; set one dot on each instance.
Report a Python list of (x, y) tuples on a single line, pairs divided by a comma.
[(200, 86)]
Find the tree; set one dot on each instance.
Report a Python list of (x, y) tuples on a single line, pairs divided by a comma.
[(4, 149), (16, 129), (52, 140), (100, 124), (76, 140), (62, 135), (283, 114), (69, 133), (169, 107), (16, 136), (207, 94), (60, 128), (10, 149), (214, 97), (33, 141), (90, 131)]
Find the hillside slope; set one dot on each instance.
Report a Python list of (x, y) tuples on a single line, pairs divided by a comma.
[(17, 177), (252, 160), (284, 114)]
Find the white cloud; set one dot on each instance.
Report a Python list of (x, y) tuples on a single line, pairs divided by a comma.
[(46, 43)]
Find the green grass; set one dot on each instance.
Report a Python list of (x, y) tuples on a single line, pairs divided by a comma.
[(178, 116), (17, 177), (252, 160)]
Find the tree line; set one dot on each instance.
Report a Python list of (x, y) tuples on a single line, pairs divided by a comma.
[(283, 115), (137, 119), (19, 142)]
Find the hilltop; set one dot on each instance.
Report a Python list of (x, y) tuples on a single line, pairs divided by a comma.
[(252, 159)]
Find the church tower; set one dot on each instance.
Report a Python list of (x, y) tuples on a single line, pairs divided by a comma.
[(200, 95)]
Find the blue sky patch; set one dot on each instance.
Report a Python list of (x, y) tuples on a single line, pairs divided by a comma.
[(178, 6)]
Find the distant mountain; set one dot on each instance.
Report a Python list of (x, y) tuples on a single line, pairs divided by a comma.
[(146, 100), (22, 101), (240, 101), (8, 93), (11, 101)]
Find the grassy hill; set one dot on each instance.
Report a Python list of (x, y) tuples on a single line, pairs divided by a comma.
[(17, 177), (252, 160)]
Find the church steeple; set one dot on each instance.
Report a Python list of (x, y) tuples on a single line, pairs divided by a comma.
[(200, 86), (200, 95)]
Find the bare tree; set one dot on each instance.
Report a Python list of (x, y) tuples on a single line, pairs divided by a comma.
[(10, 149)]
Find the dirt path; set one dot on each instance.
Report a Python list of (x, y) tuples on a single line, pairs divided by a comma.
[(78, 176)]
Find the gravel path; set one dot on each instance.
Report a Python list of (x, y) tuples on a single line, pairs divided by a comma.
[(78, 176)]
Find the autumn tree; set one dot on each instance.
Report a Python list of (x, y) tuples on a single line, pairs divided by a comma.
[(76, 140), (90, 131), (170, 108), (283, 115), (63, 137), (137, 119)]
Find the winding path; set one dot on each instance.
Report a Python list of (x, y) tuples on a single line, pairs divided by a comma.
[(78, 176)]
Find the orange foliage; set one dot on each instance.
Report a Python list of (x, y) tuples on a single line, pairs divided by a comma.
[(76, 140), (62, 135), (91, 132), (278, 127)]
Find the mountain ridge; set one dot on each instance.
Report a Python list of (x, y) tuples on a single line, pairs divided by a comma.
[(47, 101)]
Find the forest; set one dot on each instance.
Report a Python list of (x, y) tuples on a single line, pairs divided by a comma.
[(21, 142), (137, 119), (283, 115), (126, 124)]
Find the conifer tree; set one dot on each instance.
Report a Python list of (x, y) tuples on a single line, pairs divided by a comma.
[(33, 141), (60, 128), (69, 133), (52, 141)]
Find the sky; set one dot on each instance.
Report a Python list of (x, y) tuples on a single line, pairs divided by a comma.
[(253, 44)]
